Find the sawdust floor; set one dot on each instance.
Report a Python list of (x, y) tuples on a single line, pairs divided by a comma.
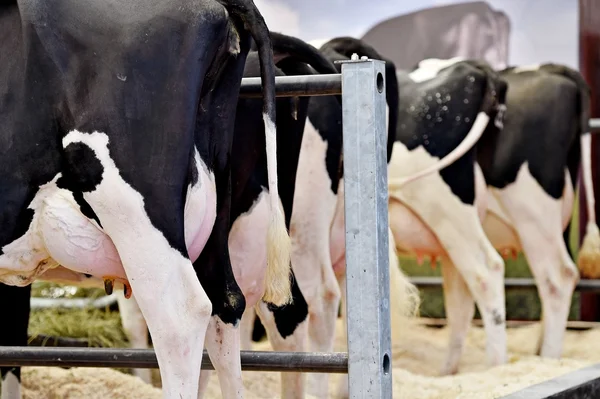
[(416, 361)]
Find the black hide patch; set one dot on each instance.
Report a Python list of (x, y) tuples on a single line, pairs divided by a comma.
[(438, 114), (14, 329), (541, 129), (85, 208), (22, 224), (83, 170), (288, 317)]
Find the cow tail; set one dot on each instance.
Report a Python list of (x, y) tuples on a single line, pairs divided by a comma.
[(278, 275), (588, 260)]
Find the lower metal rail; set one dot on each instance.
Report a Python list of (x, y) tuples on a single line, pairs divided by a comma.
[(591, 285), (305, 362)]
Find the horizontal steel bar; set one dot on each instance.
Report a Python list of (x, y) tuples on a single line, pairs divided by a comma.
[(571, 324), (304, 362), (579, 384), (298, 85), (595, 124), (510, 283)]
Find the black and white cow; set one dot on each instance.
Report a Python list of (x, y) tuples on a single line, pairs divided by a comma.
[(117, 131), (249, 188), (531, 171), (526, 179)]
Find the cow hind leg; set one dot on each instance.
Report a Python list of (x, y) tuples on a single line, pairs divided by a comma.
[(323, 312), (539, 221), (135, 328), (223, 347), (170, 297), (14, 333), (287, 330), (487, 287), (246, 326), (460, 309)]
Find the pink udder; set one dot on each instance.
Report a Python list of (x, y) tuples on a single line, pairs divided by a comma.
[(412, 235)]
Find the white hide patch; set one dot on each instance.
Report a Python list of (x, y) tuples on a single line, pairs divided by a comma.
[(438, 212), (135, 328), (312, 215), (430, 67), (11, 387), (526, 202), (540, 221), (429, 198), (441, 219), (498, 223)]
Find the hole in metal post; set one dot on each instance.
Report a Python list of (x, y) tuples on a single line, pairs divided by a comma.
[(379, 82), (386, 364)]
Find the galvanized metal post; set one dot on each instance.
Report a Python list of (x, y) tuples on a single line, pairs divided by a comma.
[(366, 214)]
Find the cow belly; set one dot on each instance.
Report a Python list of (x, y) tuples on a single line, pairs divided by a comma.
[(248, 249)]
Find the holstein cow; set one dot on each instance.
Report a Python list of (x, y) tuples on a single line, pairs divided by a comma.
[(117, 130), (531, 170), (249, 202)]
